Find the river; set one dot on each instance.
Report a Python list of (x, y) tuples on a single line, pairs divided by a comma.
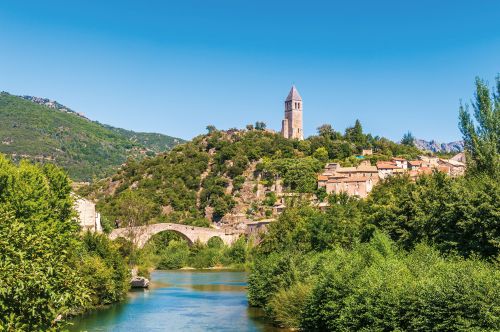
[(184, 300)]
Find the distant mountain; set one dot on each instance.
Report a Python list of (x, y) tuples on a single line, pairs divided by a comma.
[(44, 130), (433, 146)]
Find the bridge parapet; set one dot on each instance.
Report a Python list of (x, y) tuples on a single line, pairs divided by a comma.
[(140, 235)]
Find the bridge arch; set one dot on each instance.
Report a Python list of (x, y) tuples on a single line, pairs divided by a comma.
[(140, 235), (171, 231)]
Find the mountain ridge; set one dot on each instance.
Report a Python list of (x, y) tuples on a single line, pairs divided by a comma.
[(436, 147), (43, 130)]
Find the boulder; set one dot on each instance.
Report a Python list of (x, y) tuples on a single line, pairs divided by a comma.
[(139, 282)]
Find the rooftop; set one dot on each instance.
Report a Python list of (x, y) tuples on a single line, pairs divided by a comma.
[(294, 94)]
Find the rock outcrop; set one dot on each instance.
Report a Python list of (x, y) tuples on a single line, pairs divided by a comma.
[(139, 282)]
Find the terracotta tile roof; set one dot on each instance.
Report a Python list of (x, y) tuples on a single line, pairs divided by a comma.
[(366, 168), (346, 169), (415, 162), (386, 165), (322, 177)]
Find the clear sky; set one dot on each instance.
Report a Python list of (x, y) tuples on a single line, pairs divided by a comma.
[(175, 66)]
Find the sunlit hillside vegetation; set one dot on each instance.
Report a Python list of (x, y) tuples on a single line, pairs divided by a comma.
[(49, 270), (414, 256), (84, 148), (210, 171)]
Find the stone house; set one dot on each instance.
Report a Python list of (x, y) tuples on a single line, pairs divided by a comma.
[(460, 157), (414, 165), (386, 168), (400, 162), (456, 168), (87, 216), (353, 186), (359, 181), (356, 181)]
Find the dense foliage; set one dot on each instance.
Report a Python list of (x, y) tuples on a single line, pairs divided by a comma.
[(85, 149), (168, 250), (47, 270), (459, 215), (334, 271)]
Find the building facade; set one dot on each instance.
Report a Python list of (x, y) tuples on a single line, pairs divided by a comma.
[(291, 126), (88, 217)]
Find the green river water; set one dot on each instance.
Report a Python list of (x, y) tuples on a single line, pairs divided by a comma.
[(183, 300)]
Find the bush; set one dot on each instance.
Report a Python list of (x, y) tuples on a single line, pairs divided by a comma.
[(174, 256), (457, 215), (104, 269), (287, 305)]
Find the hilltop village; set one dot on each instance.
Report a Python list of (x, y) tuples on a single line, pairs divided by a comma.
[(359, 181), (254, 202)]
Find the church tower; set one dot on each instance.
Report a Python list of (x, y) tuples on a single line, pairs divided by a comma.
[(291, 126)]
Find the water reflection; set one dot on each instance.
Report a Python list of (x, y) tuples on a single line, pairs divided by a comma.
[(181, 301)]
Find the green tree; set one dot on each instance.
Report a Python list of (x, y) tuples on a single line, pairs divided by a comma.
[(211, 129), (355, 134), (326, 131), (259, 125), (408, 139), (321, 154), (482, 137), (39, 279)]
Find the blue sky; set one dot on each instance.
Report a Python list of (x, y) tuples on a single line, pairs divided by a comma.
[(175, 66)]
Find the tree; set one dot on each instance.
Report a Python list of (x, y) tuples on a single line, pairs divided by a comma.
[(355, 134), (482, 141), (408, 139), (326, 131), (211, 129), (259, 125), (321, 154), (38, 246)]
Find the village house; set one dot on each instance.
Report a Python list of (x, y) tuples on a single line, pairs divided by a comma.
[(455, 168), (386, 168), (400, 162), (356, 181)]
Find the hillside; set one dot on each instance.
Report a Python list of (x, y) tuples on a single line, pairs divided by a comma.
[(226, 175), (45, 131)]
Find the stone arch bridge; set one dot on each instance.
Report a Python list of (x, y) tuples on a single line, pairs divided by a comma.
[(140, 235)]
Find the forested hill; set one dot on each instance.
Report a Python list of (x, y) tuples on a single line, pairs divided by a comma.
[(35, 129), (230, 172)]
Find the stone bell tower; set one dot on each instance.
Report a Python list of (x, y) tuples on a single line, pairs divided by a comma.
[(291, 126)]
